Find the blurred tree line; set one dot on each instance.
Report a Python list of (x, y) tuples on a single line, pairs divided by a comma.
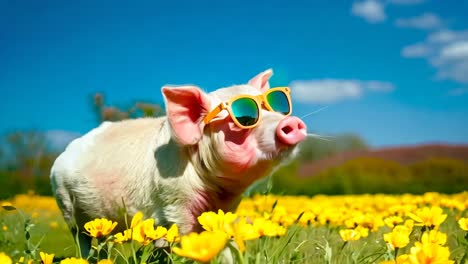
[(138, 109), (25, 163)]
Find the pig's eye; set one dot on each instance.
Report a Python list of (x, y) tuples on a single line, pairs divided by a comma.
[(245, 111)]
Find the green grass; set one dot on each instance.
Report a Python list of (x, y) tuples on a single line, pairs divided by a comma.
[(56, 239)]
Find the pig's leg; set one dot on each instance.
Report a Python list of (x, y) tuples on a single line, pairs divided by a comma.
[(85, 244), (66, 203), (82, 240)]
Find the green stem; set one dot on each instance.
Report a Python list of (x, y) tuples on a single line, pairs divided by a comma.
[(237, 253), (132, 245), (99, 246), (110, 246), (344, 245)]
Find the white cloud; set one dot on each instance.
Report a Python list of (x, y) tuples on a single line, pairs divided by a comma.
[(59, 139), (371, 10), (442, 36), (418, 50), (457, 71), (445, 50), (406, 2), (446, 35), (332, 90), (426, 21), (455, 51)]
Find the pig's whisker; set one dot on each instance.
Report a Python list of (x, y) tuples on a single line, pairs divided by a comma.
[(321, 137), (314, 112)]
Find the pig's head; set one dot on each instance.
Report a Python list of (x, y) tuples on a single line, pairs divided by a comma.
[(222, 153)]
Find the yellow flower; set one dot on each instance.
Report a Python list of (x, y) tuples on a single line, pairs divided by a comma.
[(4, 228), (409, 223), (136, 219), (144, 232), (430, 217), (74, 261), (4, 258), (280, 215), (429, 253), (201, 247), (392, 221), (266, 227), (242, 232), (8, 206), (173, 234), (134, 230), (307, 218), (210, 221), (399, 237), (140, 230), (350, 234), (363, 231), (157, 233), (46, 258), (402, 259), (123, 236), (434, 237), (100, 227), (463, 223)]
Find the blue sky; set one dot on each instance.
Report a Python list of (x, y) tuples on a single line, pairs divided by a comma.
[(394, 72)]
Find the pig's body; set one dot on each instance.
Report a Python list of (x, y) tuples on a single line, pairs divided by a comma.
[(171, 168), (117, 165)]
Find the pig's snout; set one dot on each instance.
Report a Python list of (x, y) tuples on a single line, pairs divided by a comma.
[(291, 130)]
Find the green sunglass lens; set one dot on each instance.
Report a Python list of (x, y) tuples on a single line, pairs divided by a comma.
[(279, 102), (245, 110)]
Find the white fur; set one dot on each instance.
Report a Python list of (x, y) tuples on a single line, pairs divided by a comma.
[(92, 179)]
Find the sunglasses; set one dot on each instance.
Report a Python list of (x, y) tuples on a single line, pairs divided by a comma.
[(245, 109)]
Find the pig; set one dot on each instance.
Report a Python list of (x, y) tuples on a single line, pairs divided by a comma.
[(171, 168)]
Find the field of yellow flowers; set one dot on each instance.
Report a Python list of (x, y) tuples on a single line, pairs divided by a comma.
[(429, 228)]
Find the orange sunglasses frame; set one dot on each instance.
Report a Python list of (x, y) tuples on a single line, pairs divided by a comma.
[(260, 100)]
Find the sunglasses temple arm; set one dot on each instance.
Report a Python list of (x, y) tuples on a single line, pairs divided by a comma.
[(213, 113)]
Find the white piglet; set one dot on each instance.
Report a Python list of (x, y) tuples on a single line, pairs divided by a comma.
[(200, 157)]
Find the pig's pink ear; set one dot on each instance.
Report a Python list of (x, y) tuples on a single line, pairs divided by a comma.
[(261, 80), (186, 106)]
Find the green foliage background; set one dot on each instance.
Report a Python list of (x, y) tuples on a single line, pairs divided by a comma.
[(373, 175)]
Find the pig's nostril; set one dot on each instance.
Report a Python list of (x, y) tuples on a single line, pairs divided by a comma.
[(301, 126), (287, 129)]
